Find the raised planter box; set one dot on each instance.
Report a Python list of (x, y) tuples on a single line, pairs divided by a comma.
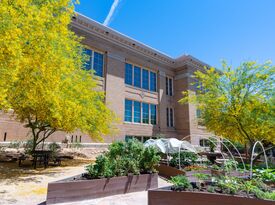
[(68, 190), (168, 171), (168, 197)]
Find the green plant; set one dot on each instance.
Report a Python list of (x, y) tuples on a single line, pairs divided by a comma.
[(230, 165), (28, 146), (201, 176), (229, 185), (186, 159), (101, 168), (124, 158), (211, 189), (267, 175), (149, 160), (180, 182), (215, 167)]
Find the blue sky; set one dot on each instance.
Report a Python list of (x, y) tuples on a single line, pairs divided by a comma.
[(210, 30)]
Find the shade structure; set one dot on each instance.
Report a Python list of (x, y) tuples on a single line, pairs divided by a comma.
[(170, 145)]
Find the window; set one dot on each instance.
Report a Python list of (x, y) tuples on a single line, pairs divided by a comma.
[(169, 86), (128, 111), (145, 113), (145, 79), (128, 74), (153, 114), (153, 81), (198, 113), (137, 113), (140, 112), (137, 76), (170, 117), (95, 62), (140, 77)]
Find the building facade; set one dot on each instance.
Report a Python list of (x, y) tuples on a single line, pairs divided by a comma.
[(142, 86)]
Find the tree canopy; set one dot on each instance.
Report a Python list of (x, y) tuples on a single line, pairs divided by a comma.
[(42, 79), (237, 103)]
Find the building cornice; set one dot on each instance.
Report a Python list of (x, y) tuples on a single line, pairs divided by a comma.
[(95, 28)]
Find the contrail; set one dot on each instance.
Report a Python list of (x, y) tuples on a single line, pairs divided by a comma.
[(111, 13)]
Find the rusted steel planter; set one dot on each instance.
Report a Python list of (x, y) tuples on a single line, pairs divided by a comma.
[(168, 171), (168, 197), (67, 190)]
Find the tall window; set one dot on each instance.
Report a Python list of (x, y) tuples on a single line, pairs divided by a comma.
[(140, 112), (153, 81), (145, 79), (140, 77), (137, 112), (137, 76), (170, 117), (128, 111), (169, 86), (128, 74), (153, 114), (145, 113), (95, 62)]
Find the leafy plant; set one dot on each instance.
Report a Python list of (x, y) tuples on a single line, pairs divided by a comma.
[(215, 167), (201, 176), (211, 189), (186, 159), (230, 165), (229, 185), (212, 144), (180, 182), (267, 175), (149, 160), (194, 168), (124, 158)]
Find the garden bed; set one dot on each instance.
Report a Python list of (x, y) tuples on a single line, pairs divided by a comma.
[(78, 188), (165, 196)]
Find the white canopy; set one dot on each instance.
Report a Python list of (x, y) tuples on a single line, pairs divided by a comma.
[(170, 145)]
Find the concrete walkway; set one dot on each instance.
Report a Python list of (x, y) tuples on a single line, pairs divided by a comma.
[(136, 198)]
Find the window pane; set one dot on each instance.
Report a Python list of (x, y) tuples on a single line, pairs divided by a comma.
[(128, 111), (145, 113), (88, 64), (170, 87), (153, 81), (171, 118), (137, 109), (137, 76), (167, 86), (128, 74), (153, 114), (145, 79), (167, 117), (98, 64)]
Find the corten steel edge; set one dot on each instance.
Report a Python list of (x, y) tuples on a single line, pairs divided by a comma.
[(169, 197), (68, 190)]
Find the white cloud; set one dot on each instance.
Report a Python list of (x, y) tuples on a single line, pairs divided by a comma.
[(111, 13)]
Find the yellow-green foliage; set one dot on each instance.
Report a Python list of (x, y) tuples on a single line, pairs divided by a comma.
[(41, 77), (237, 103)]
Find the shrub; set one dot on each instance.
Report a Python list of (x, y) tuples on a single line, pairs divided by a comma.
[(186, 159), (149, 160), (125, 158), (180, 182)]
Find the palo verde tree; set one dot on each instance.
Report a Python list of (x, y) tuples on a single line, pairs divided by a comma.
[(237, 103), (41, 60)]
